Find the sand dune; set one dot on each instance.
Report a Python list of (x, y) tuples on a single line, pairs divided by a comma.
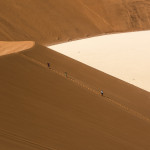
[(42, 109), (49, 22), (14, 47)]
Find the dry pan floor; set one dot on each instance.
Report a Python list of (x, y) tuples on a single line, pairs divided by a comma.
[(125, 55)]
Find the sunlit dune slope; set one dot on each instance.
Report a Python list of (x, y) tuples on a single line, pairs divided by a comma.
[(14, 47), (49, 21), (42, 109)]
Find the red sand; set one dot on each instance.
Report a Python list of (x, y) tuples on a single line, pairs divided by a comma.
[(49, 22), (14, 47), (42, 109)]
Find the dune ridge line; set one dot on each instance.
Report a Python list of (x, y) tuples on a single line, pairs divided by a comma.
[(96, 92)]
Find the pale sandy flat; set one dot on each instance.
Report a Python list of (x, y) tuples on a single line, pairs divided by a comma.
[(125, 56)]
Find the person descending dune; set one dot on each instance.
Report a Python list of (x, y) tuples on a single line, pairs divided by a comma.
[(66, 74), (48, 64), (102, 93)]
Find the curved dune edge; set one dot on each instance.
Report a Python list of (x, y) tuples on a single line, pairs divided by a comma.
[(14, 47)]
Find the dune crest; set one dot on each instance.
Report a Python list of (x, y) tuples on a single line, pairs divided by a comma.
[(41, 108), (14, 47)]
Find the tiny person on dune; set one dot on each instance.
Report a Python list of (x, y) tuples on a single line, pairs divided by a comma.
[(102, 93)]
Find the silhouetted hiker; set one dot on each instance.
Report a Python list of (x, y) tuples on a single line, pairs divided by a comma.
[(66, 74), (102, 92), (48, 64)]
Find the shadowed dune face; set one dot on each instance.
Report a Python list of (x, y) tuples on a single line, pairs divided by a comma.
[(49, 22), (42, 109), (14, 47)]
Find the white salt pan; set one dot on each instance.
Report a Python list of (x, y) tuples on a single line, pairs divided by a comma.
[(125, 56)]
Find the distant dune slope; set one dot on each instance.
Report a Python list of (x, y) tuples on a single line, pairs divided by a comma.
[(49, 22), (42, 109)]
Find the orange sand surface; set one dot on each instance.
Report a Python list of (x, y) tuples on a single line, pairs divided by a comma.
[(42, 109), (56, 21), (14, 47)]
